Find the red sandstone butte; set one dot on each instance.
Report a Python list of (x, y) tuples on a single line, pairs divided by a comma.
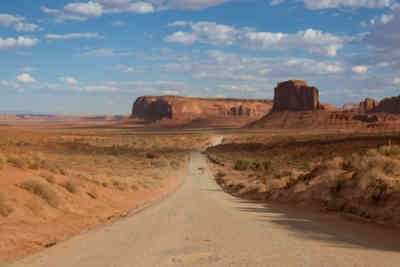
[(295, 95)]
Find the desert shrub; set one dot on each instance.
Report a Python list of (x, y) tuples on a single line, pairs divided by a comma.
[(162, 163), (41, 190), (152, 155), (18, 161), (70, 187), (391, 167), (135, 187), (243, 165), (214, 159), (390, 151), (5, 209), (220, 175), (376, 190), (119, 185), (35, 161), (49, 178), (3, 161), (175, 164)]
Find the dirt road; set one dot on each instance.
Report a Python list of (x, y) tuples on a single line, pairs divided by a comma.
[(200, 225)]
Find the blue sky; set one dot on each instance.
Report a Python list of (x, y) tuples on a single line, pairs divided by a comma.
[(97, 56)]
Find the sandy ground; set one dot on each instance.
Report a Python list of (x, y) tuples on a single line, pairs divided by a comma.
[(200, 225)]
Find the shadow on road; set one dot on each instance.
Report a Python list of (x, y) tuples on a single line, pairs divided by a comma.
[(329, 228)]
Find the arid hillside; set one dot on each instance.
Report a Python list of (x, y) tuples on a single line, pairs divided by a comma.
[(175, 110), (355, 175), (55, 183)]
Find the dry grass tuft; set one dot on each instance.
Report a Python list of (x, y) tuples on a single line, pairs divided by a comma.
[(70, 187), (3, 161), (5, 209), (41, 190)]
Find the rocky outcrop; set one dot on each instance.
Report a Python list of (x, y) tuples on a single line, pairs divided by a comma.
[(186, 109), (389, 105), (368, 105), (295, 95), (328, 107), (350, 107)]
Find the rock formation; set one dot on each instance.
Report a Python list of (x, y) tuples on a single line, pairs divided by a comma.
[(389, 105), (351, 107), (368, 105), (328, 107), (296, 106), (295, 95), (185, 109)]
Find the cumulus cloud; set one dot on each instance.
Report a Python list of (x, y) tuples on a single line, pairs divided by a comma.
[(26, 27), (20, 42), (323, 4), (95, 9), (310, 40), (6, 20), (25, 78), (396, 81), (384, 43), (68, 80), (360, 69), (87, 35), (181, 37)]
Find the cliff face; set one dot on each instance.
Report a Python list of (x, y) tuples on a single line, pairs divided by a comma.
[(296, 106), (186, 109), (389, 105), (295, 95)]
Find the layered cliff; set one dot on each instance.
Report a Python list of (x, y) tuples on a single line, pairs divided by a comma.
[(186, 109), (296, 105)]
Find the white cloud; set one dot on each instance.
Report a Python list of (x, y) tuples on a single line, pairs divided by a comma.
[(360, 69), (6, 20), (323, 4), (106, 52), (181, 37), (25, 78), (68, 80), (27, 69), (97, 8), (310, 40), (123, 68), (20, 42), (99, 88), (396, 81), (26, 27), (90, 9), (118, 23), (179, 23), (195, 4), (386, 18), (276, 2), (68, 36), (383, 42)]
